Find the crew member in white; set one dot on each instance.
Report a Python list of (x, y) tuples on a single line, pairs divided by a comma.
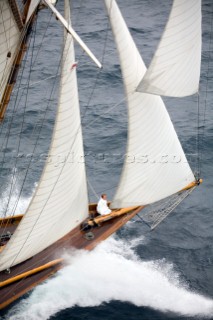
[(102, 207)]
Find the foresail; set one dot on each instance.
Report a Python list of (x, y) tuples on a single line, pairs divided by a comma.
[(9, 42), (60, 202), (33, 5), (175, 68), (155, 164)]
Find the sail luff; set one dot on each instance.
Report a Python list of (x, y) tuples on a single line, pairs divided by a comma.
[(147, 176), (60, 202), (175, 68)]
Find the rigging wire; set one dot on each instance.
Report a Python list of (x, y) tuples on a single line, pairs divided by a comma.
[(21, 39), (198, 137), (75, 136), (42, 41), (15, 257), (92, 189), (23, 120), (93, 90), (202, 138), (23, 35), (7, 134), (18, 198), (104, 190), (14, 208), (37, 140), (14, 175), (64, 164), (52, 190)]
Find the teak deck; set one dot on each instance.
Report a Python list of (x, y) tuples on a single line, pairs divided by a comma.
[(75, 239)]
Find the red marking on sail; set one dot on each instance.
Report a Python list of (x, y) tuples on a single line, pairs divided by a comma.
[(74, 65)]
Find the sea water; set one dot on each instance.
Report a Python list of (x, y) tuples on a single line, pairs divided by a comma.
[(135, 274)]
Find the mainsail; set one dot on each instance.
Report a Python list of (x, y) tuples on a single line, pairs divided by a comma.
[(60, 202), (175, 68), (155, 166), (9, 42)]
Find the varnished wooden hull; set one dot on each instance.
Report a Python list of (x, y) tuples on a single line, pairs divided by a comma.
[(75, 239)]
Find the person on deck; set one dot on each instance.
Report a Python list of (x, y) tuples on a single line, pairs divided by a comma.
[(102, 207)]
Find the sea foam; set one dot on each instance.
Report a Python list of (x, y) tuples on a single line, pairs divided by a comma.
[(112, 271)]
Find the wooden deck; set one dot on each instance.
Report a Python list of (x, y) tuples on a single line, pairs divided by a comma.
[(77, 238)]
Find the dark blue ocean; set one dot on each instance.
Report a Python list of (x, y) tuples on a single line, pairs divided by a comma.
[(135, 274)]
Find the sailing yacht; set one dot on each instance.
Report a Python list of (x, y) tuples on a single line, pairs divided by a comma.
[(59, 215)]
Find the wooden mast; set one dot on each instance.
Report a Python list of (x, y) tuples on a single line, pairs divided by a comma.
[(20, 21)]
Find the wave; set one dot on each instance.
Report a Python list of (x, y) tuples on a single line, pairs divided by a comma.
[(112, 271), (11, 201)]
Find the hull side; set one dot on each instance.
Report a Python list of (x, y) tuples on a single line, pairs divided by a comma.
[(75, 239)]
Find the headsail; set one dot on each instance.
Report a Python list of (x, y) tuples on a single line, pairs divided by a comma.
[(175, 68), (60, 202), (33, 5), (155, 166)]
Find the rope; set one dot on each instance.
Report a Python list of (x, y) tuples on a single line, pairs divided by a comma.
[(160, 210), (93, 190), (202, 138), (198, 137), (14, 177), (60, 62), (15, 205), (27, 86), (108, 189), (77, 132), (23, 34), (10, 124)]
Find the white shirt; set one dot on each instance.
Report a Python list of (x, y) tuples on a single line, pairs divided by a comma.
[(102, 207)]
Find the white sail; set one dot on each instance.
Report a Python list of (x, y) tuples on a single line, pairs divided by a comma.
[(9, 41), (155, 166), (175, 68), (33, 5), (60, 202)]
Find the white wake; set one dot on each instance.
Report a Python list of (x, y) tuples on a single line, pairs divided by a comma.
[(112, 272), (11, 202)]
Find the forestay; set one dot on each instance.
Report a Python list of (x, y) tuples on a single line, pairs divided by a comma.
[(60, 202), (9, 42), (155, 166), (175, 68)]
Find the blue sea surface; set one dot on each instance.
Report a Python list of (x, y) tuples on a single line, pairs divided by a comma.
[(135, 274)]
